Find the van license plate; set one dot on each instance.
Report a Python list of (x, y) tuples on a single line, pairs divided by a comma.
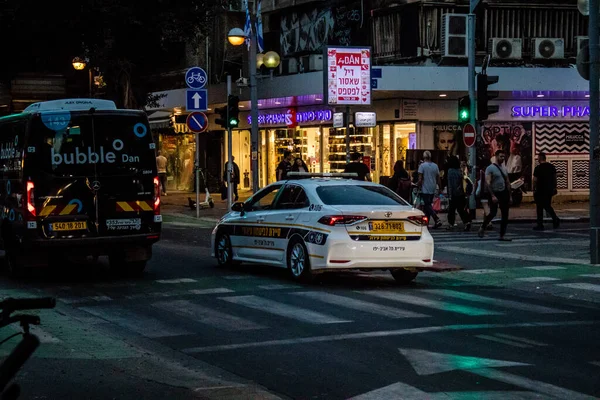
[(386, 226), (69, 226)]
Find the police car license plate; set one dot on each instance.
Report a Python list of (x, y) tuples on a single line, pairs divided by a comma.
[(386, 226), (69, 226)]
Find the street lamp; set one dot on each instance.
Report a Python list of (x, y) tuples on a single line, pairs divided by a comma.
[(272, 60), (79, 64), (236, 37)]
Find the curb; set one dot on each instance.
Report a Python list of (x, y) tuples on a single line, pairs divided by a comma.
[(531, 220)]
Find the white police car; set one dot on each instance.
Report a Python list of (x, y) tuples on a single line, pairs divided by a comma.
[(325, 224)]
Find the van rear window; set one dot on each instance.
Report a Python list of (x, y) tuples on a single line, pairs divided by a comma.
[(102, 144)]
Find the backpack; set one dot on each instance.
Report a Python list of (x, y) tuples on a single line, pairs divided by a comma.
[(468, 186)]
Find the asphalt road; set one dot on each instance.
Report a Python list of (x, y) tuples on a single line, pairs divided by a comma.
[(519, 320)]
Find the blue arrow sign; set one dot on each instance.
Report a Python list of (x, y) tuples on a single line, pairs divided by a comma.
[(196, 78), (197, 100), (197, 122)]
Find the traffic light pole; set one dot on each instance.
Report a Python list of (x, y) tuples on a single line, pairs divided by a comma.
[(473, 101), (253, 104), (229, 149), (594, 32)]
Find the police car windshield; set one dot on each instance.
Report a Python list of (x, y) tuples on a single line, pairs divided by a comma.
[(359, 195), (105, 144)]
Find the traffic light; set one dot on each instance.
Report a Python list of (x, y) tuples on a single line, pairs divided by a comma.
[(234, 111), (484, 96), (464, 109), (222, 111)]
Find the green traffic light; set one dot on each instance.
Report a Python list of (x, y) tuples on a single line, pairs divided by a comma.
[(464, 115), (233, 122)]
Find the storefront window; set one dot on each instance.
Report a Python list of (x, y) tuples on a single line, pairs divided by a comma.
[(361, 141), (180, 151), (240, 150)]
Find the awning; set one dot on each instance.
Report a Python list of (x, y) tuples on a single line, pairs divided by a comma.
[(159, 120)]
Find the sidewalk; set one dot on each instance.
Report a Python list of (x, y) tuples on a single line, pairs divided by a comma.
[(175, 207)]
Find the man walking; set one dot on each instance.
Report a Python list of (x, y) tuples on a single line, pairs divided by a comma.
[(498, 187), (429, 181), (356, 166), (544, 188), (161, 166), (285, 166), (235, 177)]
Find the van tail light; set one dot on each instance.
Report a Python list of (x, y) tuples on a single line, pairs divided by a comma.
[(419, 219), (30, 212), (156, 196), (333, 220)]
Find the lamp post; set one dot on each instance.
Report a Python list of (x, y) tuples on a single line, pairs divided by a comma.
[(271, 59), (79, 64)]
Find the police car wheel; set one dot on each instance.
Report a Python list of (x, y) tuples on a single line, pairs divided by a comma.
[(403, 276), (298, 261), (223, 251)]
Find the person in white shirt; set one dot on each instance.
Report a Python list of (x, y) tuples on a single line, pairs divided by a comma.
[(514, 165)]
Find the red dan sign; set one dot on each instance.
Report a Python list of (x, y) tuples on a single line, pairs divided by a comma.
[(348, 76)]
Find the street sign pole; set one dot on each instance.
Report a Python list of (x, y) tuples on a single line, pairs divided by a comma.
[(229, 150), (473, 100), (253, 104), (347, 124), (198, 175), (594, 32)]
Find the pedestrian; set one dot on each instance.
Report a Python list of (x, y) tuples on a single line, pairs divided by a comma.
[(400, 182), (429, 181), (161, 166), (235, 177), (356, 166), (457, 194), (544, 188), (299, 165), (285, 166), (498, 187), (482, 194)]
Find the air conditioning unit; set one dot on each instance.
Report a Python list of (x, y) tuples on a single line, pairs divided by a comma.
[(289, 66), (548, 48), (454, 35), (505, 48), (581, 42), (315, 62)]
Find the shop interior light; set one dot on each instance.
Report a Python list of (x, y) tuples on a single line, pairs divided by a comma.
[(443, 95)]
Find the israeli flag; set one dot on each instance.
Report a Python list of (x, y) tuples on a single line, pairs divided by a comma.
[(259, 27), (248, 25)]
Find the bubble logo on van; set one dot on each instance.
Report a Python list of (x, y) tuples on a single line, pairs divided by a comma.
[(78, 203), (56, 121), (140, 130), (88, 156)]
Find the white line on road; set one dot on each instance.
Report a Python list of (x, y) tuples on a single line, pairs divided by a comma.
[(498, 302), (506, 255), (42, 335), (502, 341), (591, 275), (284, 310), (211, 291), (236, 277), (480, 271), (596, 363), (208, 316), (584, 286), (520, 339), (548, 242), (278, 286), (180, 280), (534, 279), (360, 305), (376, 334), (423, 302), (545, 268), (145, 326)]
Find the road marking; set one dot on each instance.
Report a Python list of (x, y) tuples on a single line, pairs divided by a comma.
[(236, 277), (423, 302), (181, 280), (498, 302), (211, 291), (591, 275), (479, 271), (537, 279), (584, 286), (505, 255), (520, 339), (208, 316), (284, 310), (378, 334), (429, 363), (44, 336), (278, 286), (360, 305), (548, 242), (145, 326), (101, 298), (502, 341), (545, 268), (596, 363)]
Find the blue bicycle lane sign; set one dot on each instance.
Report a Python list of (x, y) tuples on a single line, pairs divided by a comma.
[(196, 78)]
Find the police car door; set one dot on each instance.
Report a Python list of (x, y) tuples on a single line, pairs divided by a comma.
[(289, 206)]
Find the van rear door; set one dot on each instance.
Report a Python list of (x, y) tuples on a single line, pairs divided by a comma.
[(95, 175)]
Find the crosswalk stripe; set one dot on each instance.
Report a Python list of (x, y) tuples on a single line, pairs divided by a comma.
[(360, 305), (208, 316), (534, 279), (423, 302), (507, 255), (284, 310), (584, 286), (502, 341), (497, 302), (520, 339), (480, 271), (278, 286), (545, 268), (181, 280), (145, 326), (211, 291), (42, 335), (590, 275)]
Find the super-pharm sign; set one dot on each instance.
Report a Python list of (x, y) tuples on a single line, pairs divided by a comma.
[(348, 76)]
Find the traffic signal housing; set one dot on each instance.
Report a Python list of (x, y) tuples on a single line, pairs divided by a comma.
[(222, 120), (464, 109), (484, 95), (233, 106)]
